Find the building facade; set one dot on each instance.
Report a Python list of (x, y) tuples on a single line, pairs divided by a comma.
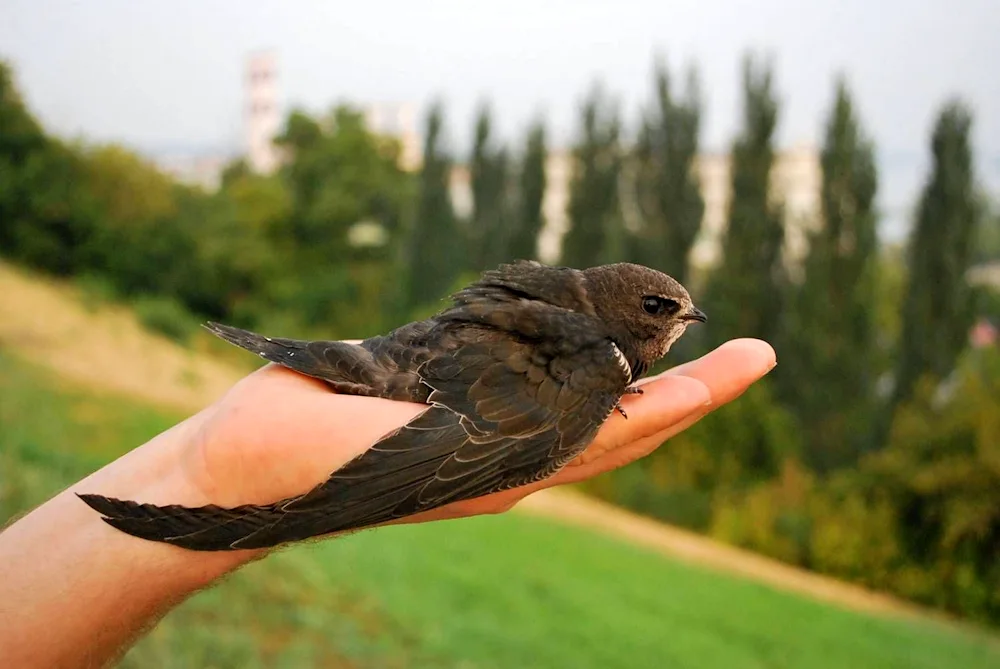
[(262, 115), (796, 182)]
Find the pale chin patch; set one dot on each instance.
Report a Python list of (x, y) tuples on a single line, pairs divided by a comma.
[(674, 336)]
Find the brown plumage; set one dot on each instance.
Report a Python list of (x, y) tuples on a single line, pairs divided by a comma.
[(520, 372)]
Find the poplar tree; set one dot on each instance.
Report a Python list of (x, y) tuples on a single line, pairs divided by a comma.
[(667, 186), (830, 341), (435, 250), (596, 233), (531, 182), (937, 307), (745, 291)]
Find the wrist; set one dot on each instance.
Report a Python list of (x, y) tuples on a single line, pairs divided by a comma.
[(155, 473)]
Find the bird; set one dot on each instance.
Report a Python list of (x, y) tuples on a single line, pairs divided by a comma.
[(518, 374)]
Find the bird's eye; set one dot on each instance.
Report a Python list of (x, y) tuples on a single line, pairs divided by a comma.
[(654, 304)]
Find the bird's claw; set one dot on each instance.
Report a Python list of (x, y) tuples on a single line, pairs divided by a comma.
[(630, 390)]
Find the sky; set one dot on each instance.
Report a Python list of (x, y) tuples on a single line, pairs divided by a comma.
[(167, 76)]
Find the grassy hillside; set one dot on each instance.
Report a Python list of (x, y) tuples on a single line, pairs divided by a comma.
[(507, 591)]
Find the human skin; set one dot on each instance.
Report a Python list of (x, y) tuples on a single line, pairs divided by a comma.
[(78, 593)]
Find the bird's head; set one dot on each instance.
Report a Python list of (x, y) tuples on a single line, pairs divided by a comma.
[(645, 310)]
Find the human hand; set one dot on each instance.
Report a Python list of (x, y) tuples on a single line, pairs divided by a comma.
[(274, 435), (278, 433)]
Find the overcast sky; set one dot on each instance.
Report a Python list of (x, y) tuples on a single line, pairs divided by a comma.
[(168, 74)]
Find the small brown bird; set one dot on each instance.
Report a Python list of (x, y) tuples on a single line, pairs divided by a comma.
[(519, 374)]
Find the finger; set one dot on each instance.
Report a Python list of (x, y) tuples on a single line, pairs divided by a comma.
[(667, 406), (730, 369), (664, 401), (719, 377), (727, 372)]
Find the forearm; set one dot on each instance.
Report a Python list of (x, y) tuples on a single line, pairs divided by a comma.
[(74, 591)]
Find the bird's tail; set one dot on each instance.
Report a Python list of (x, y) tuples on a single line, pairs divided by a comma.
[(273, 349), (206, 528), (318, 359)]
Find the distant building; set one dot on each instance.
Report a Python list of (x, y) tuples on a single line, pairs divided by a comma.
[(262, 115), (557, 173), (796, 184), (398, 120), (558, 176), (986, 275), (460, 190), (796, 180)]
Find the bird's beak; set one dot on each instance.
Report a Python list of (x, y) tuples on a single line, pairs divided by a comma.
[(696, 314)]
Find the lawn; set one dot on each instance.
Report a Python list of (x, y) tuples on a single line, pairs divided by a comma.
[(506, 591)]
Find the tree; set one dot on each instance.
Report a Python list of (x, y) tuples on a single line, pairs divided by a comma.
[(667, 187), (341, 177), (530, 218), (46, 217), (21, 139), (339, 173), (242, 238), (745, 291), (435, 247), (830, 341), (939, 469), (937, 307), (596, 231), (490, 226), (137, 243), (987, 246)]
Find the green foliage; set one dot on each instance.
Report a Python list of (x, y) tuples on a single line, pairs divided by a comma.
[(531, 195), (745, 292), (596, 231), (96, 290), (490, 227), (829, 344), (135, 241), (667, 187), (45, 214), (166, 316), (260, 249), (338, 174), (942, 465), (435, 249), (987, 245), (937, 307), (430, 596)]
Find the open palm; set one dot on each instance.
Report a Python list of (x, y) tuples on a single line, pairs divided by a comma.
[(277, 434)]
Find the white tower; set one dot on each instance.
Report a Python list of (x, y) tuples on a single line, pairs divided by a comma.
[(397, 120), (261, 113)]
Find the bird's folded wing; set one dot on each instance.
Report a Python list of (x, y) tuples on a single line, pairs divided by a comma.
[(503, 415)]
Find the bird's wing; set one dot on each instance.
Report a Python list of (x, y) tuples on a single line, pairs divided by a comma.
[(503, 415)]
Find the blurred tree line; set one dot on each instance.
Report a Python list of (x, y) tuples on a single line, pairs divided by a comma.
[(871, 453)]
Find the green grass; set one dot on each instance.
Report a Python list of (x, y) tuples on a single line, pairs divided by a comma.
[(506, 591)]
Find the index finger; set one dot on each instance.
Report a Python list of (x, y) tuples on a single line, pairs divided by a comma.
[(730, 369)]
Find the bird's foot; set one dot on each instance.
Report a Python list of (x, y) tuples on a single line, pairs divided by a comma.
[(631, 390)]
